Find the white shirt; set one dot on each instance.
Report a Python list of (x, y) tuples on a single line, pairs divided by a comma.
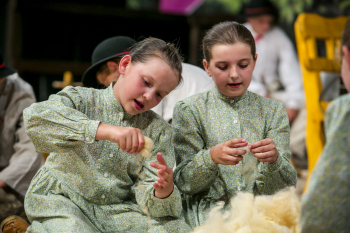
[(277, 59), (195, 80)]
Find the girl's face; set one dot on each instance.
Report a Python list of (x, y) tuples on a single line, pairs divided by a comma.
[(345, 67), (141, 86), (231, 68)]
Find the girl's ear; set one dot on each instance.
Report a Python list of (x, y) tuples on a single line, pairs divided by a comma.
[(124, 62), (206, 64), (346, 54)]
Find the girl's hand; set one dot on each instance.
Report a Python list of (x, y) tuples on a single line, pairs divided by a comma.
[(129, 139), (265, 150), (226, 154), (164, 185)]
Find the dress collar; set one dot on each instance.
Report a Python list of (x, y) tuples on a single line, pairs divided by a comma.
[(242, 100)]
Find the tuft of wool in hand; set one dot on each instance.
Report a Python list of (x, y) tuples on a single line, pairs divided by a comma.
[(147, 147)]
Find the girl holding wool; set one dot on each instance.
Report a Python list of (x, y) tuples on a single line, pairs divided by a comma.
[(212, 127), (88, 183)]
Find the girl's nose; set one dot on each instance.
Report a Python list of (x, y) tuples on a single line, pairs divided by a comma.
[(148, 95), (233, 73)]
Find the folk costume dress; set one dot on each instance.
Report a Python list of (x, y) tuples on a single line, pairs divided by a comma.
[(326, 204), (93, 186), (209, 118)]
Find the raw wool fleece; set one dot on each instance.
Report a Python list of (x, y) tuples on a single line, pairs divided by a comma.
[(278, 213)]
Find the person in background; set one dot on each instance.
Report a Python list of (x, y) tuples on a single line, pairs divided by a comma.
[(277, 73), (105, 60), (195, 81), (18, 160), (325, 205)]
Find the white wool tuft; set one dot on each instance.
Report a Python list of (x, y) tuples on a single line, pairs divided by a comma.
[(278, 213)]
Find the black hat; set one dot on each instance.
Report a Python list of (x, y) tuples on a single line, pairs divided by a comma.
[(106, 50), (5, 70), (259, 7)]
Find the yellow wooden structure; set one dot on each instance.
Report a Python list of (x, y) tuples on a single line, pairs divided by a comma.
[(68, 80), (308, 29)]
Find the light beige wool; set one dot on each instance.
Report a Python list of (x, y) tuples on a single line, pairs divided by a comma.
[(278, 213), (147, 147)]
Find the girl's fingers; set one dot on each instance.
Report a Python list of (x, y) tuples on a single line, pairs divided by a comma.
[(161, 159), (263, 149), (240, 145), (233, 142), (157, 186), (228, 159), (162, 182), (141, 142), (122, 144), (263, 142), (128, 144), (134, 143), (264, 155), (158, 166), (234, 152), (163, 174)]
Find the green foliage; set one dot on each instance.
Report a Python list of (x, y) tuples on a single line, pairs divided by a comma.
[(232, 6), (288, 9)]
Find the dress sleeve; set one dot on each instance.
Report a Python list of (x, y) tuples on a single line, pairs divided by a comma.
[(60, 123), (281, 174), (325, 204), (195, 170), (144, 190)]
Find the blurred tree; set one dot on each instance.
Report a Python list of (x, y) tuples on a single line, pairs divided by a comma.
[(289, 9)]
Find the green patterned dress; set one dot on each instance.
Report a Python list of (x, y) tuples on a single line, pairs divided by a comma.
[(93, 186), (207, 119), (326, 202)]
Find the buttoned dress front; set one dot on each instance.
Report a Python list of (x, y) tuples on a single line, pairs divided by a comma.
[(207, 119), (93, 186)]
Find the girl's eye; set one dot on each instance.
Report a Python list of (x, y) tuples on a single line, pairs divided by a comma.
[(145, 82), (243, 66), (159, 95), (222, 67)]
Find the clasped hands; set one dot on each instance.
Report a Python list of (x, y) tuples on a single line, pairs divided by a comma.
[(227, 154)]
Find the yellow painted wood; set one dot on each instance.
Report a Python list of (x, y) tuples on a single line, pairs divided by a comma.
[(308, 28)]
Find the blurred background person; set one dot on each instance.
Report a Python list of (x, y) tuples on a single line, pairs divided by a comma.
[(326, 202), (18, 160), (277, 73), (105, 61)]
